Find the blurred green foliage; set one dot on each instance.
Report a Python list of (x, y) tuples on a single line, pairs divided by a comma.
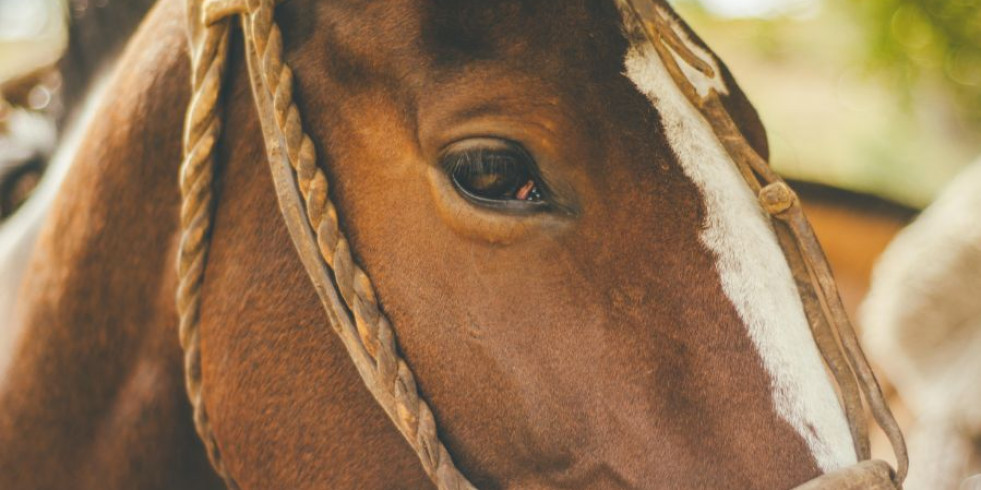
[(927, 41), (879, 96)]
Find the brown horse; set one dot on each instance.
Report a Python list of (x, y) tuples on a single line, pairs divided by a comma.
[(586, 290), (27, 138)]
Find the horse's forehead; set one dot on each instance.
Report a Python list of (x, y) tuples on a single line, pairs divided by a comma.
[(416, 42), (444, 34)]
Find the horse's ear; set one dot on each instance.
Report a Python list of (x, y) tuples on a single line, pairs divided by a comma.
[(735, 101)]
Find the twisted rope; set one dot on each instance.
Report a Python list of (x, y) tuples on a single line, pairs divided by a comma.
[(812, 274), (384, 371), (371, 341), (202, 128)]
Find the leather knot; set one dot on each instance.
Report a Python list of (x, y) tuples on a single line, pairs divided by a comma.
[(777, 198)]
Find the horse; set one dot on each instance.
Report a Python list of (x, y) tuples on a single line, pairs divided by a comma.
[(97, 32), (585, 291)]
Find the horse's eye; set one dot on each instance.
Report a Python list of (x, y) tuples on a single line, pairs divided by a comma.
[(495, 173)]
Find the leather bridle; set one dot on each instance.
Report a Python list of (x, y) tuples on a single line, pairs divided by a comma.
[(346, 291)]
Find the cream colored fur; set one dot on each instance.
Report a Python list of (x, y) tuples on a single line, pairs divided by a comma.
[(922, 321)]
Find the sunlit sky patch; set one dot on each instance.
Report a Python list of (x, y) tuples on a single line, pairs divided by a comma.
[(760, 8)]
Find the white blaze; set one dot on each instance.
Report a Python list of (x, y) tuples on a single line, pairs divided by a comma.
[(752, 268)]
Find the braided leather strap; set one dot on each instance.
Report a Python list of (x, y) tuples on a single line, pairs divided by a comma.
[(812, 274), (302, 189)]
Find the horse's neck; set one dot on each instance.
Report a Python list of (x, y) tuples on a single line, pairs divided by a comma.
[(19, 234), (95, 36), (94, 397)]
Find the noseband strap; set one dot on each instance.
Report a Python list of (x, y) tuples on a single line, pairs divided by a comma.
[(344, 288)]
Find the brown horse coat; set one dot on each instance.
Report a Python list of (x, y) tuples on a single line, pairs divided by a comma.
[(595, 349)]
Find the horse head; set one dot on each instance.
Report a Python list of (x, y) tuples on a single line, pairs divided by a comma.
[(522, 209), (585, 289)]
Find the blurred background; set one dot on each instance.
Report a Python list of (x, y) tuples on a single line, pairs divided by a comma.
[(32, 34), (881, 96)]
